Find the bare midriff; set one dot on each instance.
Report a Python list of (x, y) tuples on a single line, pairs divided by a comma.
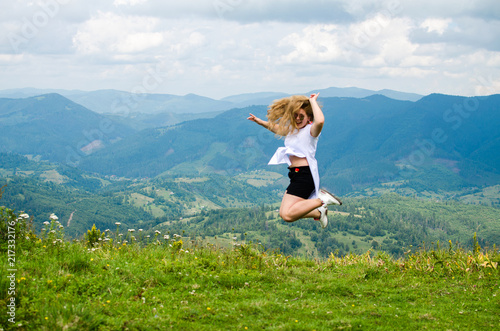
[(298, 161)]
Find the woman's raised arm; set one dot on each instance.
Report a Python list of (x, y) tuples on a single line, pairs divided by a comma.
[(319, 118)]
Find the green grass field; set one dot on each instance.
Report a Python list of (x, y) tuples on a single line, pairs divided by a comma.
[(175, 283)]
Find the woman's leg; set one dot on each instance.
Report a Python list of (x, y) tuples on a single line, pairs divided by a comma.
[(294, 208)]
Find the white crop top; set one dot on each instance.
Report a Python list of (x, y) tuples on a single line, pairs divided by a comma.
[(300, 144)]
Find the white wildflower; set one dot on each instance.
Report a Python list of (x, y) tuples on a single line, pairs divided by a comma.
[(131, 230), (24, 215), (46, 223), (166, 237), (117, 223), (53, 217)]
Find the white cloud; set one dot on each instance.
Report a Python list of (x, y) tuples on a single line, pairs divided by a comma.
[(6, 59), (138, 42), (221, 47), (436, 25), (412, 72), (316, 43), (109, 32), (373, 42), (191, 41), (118, 3)]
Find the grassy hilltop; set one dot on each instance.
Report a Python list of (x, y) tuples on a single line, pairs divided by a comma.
[(114, 281)]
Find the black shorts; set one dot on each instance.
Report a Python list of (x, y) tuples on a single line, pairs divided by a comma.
[(301, 182)]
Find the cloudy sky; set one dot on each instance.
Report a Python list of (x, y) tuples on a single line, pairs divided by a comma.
[(218, 48)]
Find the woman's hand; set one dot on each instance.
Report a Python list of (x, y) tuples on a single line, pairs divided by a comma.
[(263, 123), (314, 97), (253, 118)]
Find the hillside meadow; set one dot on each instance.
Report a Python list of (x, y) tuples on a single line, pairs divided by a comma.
[(120, 280)]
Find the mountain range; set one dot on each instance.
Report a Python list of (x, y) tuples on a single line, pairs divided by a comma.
[(428, 145), (142, 111), (121, 102), (438, 142)]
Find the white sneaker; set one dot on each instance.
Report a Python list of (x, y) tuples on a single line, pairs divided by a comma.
[(328, 198), (323, 219)]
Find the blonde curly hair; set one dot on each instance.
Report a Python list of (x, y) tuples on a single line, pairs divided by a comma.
[(282, 113)]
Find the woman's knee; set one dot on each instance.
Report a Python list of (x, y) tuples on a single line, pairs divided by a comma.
[(287, 217)]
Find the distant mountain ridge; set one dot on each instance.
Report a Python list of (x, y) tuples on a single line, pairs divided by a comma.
[(114, 101), (354, 92)]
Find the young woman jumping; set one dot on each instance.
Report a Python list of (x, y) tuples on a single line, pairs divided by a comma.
[(300, 120)]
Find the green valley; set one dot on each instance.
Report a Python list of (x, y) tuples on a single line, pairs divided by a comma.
[(216, 208)]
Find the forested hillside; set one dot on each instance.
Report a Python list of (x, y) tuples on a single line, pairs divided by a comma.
[(390, 223), (55, 128), (81, 199), (223, 209)]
